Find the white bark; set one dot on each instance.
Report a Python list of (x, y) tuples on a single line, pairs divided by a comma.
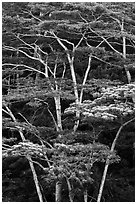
[(107, 161), (70, 190), (35, 178), (124, 52), (58, 112), (71, 61), (58, 191), (85, 195), (85, 78)]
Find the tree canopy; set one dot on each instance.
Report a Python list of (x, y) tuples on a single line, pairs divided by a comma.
[(68, 101)]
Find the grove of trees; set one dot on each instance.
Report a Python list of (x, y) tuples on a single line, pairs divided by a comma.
[(68, 94)]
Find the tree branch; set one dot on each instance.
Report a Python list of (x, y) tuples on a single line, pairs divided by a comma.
[(27, 55), (101, 36), (35, 178), (83, 35), (29, 12), (85, 77), (26, 66)]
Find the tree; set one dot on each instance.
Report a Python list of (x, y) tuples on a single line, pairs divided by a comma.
[(48, 42)]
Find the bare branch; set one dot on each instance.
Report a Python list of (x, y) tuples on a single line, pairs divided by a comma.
[(49, 112), (60, 39), (101, 59), (5, 112), (100, 36), (85, 77), (27, 55), (83, 35), (23, 65), (55, 67), (106, 42), (63, 74), (35, 178), (17, 36), (29, 12)]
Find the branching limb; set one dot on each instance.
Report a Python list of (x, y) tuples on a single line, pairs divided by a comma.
[(104, 39), (17, 36), (23, 52), (85, 77), (35, 178), (83, 35), (26, 66), (55, 123), (30, 13)]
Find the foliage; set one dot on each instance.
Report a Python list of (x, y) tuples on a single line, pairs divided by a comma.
[(68, 87)]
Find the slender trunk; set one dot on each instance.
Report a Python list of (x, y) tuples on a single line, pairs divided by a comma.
[(58, 112), (46, 67), (71, 61), (58, 191), (81, 93), (71, 195), (124, 52), (107, 161), (85, 78), (85, 195), (57, 100), (35, 178)]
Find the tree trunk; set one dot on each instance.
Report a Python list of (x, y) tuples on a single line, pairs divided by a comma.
[(58, 112), (58, 191), (35, 178), (85, 78), (107, 161), (85, 195), (71, 195), (71, 60), (124, 52)]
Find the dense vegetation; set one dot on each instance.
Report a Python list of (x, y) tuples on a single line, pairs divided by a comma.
[(68, 101)]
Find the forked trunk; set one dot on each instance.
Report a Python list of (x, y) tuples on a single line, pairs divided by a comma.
[(71, 60), (85, 77)]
